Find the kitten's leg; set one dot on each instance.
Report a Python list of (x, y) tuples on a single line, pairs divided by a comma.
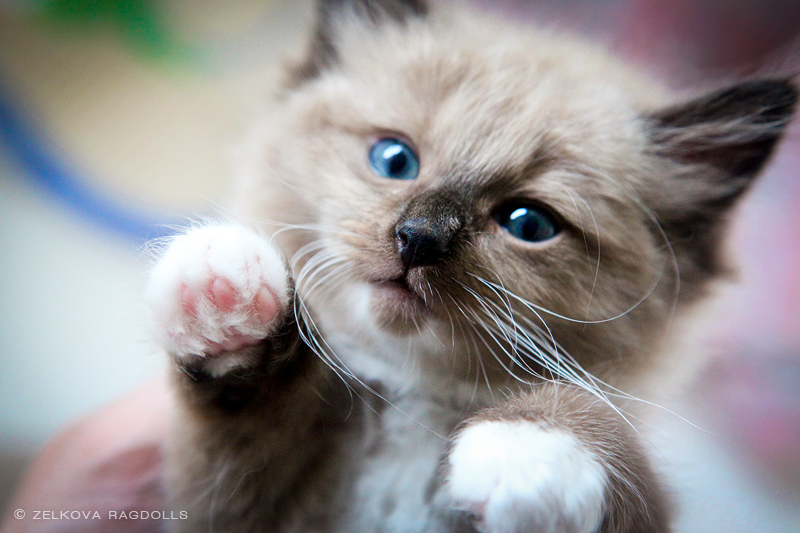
[(252, 411), (557, 460)]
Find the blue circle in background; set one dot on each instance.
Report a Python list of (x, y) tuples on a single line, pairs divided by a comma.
[(49, 170)]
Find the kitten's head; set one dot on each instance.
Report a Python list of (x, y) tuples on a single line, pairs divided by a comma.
[(509, 190)]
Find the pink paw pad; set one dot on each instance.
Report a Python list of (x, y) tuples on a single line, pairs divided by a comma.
[(223, 295), (265, 305), (225, 298), (262, 308)]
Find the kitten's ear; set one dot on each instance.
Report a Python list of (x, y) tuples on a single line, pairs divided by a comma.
[(721, 141), (323, 53), (733, 130)]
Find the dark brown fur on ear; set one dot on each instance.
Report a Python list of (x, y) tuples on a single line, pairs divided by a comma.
[(734, 129), (721, 142), (323, 55)]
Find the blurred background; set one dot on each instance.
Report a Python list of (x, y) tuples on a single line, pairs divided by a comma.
[(116, 117)]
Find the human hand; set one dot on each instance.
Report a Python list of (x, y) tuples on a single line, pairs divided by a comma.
[(101, 466)]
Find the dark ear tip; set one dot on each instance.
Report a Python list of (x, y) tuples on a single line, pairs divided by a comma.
[(734, 129), (792, 92), (778, 95), (767, 101)]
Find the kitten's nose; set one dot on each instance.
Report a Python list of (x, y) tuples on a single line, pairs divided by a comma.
[(423, 242)]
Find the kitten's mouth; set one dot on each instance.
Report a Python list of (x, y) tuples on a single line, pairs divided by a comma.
[(401, 283), (399, 288), (395, 299)]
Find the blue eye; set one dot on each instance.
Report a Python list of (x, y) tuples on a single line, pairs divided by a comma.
[(527, 222), (392, 158)]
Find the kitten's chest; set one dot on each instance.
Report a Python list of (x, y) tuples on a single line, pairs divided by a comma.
[(396, 487)]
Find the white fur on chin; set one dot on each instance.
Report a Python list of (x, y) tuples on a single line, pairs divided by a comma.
[(519, 477)]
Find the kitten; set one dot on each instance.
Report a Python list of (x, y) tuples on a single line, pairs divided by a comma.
[(458, 243)]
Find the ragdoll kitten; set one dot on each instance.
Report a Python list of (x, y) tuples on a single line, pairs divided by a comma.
[(458, 244)]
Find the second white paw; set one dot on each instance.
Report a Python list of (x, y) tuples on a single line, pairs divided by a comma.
[(519, 477)]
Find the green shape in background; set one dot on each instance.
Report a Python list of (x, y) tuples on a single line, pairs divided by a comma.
[(137, 20)]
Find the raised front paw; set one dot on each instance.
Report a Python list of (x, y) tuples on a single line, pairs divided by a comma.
[(217, 289), (518, 476)]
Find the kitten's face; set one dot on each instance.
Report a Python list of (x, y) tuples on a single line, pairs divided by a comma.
[(475, 182)]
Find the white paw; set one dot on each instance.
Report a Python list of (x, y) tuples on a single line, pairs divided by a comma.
[(518, 477), (218, 288)]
